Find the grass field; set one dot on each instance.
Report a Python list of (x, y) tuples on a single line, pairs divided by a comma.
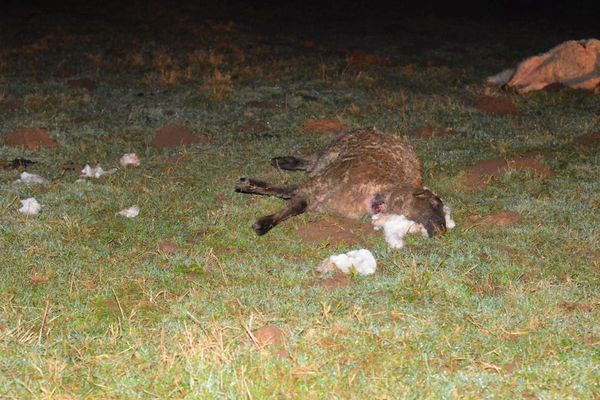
[(94, 305)]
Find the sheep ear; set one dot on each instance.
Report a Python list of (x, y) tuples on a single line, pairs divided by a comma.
[(429, 195)]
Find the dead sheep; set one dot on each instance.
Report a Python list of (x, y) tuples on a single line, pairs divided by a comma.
[(361, 173)]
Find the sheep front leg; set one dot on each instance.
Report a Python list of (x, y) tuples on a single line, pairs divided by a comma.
[(264, 224)]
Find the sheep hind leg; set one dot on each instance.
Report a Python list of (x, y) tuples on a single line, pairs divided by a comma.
[(254, 186), (264, 224)]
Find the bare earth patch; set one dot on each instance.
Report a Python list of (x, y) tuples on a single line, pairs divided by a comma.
[(269, 335), (169, 247), (335, 231), (495, 105), (323, 125), (32, 139), (337, 281), (427, 132), (252, 127), (588, 140), (175, 136), (485, 171), (499, 218)]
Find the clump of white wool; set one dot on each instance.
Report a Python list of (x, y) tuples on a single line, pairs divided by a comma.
[(362, 261), (450, 224), (395, 227), (130, 212), (30, 206), (96, 172), (32, 179), (130, 159)]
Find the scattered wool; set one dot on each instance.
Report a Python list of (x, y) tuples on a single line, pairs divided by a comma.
[(30, 206), (450, 224), (96, 172), (362, 261), (395, 227), (130, 212), (33, 179), (130, 159)]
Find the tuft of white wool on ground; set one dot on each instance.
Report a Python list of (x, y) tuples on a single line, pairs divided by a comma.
[(130, 212), (96, 172), (362, 261), (450, 224), (395, 227), (30, 206), (130, 159), (31, 179)]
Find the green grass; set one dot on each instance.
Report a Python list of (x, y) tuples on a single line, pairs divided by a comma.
[(91, 308)]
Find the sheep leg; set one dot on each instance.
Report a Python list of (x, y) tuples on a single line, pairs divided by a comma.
[(254, 186), (264, 224), (292, 163)]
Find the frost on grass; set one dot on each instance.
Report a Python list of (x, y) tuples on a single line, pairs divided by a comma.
[(31, 179), (30, 206), (362, 261), (130, 159), (96, 172), (130, 212)]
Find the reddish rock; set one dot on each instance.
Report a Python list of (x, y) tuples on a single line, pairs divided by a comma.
[(588, 140), (335, 231), (485, 171), (83, 83), (32, 139), (323, 125), (175, 136), (494, 105)]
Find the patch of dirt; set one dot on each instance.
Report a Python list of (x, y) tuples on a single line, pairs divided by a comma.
[(252, 127), (32, 139), (335, 231), (573, 306), (337, 281), (175, 136), (588, 140), (169, 247), (358, 58), (495, 105), (269, 335), (263, 105), (323, 125), (83, 83), (485, 171), (70, 166), (427, 132), (510, 367), (17, 163), (499, 218), (37, 279)]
